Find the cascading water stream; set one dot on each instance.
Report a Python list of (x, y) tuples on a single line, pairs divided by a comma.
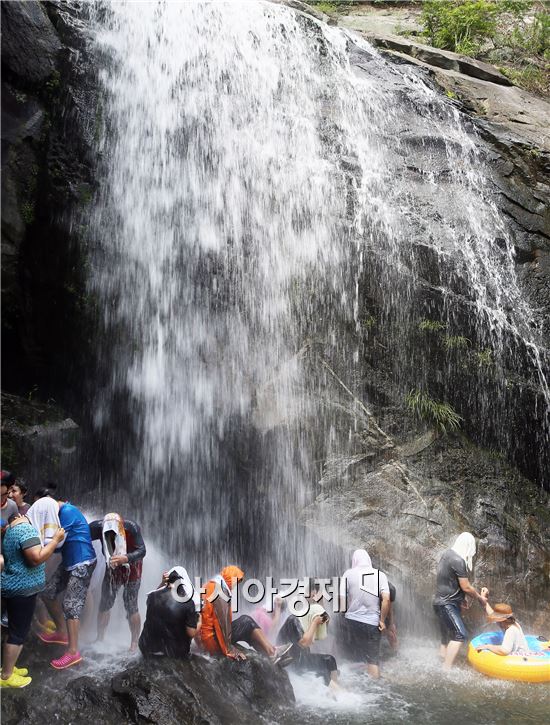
[(259, 169)]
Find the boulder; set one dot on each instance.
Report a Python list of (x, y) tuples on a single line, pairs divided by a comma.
[(167, 692), (25, 25)]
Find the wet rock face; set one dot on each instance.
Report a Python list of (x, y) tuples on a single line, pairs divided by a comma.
[(167, 692), (46, 176), (409, 505), (25, 25)]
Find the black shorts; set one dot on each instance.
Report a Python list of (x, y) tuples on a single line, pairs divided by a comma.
[(242, 629), (20, 611), (362, 641), (320, 664)]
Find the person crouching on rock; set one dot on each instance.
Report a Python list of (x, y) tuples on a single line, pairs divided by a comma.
[(124, 551), (23, 577), (219, 633), (452, 585), (173, 618)]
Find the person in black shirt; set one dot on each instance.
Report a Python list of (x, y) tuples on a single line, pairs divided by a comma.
[(121, 571), (172, 618), (452, 585)]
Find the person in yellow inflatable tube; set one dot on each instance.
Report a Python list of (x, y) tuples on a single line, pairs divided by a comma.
[(513, 642)]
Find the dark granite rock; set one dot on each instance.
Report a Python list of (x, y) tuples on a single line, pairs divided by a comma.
[(30, 45), (166, 692)]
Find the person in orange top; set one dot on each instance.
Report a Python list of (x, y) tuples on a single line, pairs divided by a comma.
[(218, 633)]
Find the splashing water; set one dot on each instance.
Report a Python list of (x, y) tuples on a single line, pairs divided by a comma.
[(261, 176)]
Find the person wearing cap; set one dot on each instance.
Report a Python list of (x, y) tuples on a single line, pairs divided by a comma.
[(452, 585), (219, 633), (172, 619), (513, 642), (123, 570)]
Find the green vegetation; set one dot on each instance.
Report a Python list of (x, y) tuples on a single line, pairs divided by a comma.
[(325, 7), (369, 322), (331, 8), (84, 194), (485, 357), (434, 412), (513, 34), (455, 342), (53, 82), (431, 326), (27, 212)]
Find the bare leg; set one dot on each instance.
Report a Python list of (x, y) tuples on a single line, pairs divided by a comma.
[(56, 612), (452, 651), (374, 671), (73, 627), (334, 684), (41, 613), (9, 658), (261, 642), (102, 622), (135, 628)]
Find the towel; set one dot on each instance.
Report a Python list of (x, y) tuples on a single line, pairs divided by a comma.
[(44, 516), (306, 619), (113, 522), (187, 585)]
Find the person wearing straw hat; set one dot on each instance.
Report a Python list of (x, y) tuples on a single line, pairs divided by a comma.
[(513, 642)]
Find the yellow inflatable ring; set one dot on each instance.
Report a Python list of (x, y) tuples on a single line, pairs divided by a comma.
[(533, 667)]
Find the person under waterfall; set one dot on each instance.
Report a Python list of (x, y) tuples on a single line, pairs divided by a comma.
[(124, 551), (302, 629), (365, 599), (173, 618), (219, 633), (452, 586), (72, 577)]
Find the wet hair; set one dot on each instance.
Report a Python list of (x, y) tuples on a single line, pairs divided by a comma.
[(50, 489)]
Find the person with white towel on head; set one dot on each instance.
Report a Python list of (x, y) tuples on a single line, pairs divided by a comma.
[(173, 617), (124, 551)]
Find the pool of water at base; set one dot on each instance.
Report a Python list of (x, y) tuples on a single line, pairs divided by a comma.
[(413, 689)]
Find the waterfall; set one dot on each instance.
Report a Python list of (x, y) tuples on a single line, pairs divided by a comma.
[(267, 185)]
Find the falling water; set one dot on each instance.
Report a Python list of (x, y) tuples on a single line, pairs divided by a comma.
[(264, 179)]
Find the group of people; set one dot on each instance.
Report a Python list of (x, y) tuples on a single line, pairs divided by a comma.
[(31, 535), (177, 614), (450, 602)]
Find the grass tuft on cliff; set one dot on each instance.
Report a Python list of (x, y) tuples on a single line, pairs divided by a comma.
[(441, 415)]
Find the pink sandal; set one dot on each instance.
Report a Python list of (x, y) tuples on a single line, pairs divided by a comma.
[(53, 638), (66, 660)]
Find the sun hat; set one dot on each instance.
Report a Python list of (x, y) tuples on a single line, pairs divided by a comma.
[(501, 612)]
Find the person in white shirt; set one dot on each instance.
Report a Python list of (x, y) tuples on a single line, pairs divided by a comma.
[(513, 642), (365, 598)]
